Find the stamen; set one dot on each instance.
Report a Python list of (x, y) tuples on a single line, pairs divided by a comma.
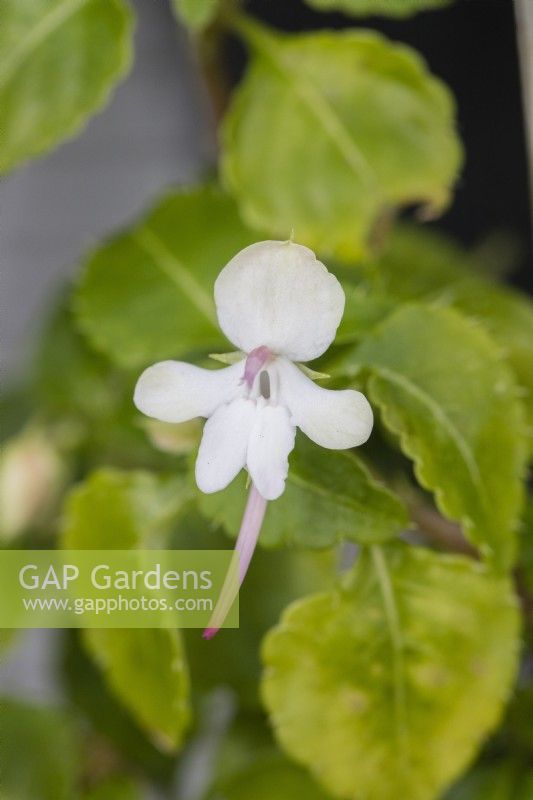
[(255, 362), (252, 521), (264, 384)]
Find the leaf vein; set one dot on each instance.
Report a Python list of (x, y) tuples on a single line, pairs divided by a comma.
[(44, 28), (176, 272), (322, 110), (393, 623)]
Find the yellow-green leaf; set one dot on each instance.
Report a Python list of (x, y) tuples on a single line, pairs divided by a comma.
[(117, 510), (329, 132), (41, 752), (196, 14), (508, 317), (445, 392), (148, 294), (418, 263), (386, 687), (387, 8), (271, 778), (146, 669), (59, 60), (115, 789)]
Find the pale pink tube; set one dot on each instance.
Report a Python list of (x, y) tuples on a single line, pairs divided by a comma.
[(252, 521)]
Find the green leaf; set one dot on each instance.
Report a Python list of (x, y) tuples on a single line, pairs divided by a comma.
[(115, 789), (516, 733), (330, 496), (272, 778), (526, 551), (417, 649), (364, 309), (87, 401), (148, 294), (17, 404), (499, 782), (357, 127), (247, 741), (70, 379), (417, 262), (40, 752), (508, 317), (424, 264), (443, 390), (114, 510), (388, 8), (196, 14), (147, 671), (249, 765), (88, 692), (59, 61)]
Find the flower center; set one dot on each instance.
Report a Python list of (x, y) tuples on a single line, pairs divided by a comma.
[(255, 362)]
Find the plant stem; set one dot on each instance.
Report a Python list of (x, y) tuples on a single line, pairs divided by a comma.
[(440, 531), (209, 47)]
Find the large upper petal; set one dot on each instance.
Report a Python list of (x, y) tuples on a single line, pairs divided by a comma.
[(271, 441), (277, 294), (224, 445), (174, 391), (336, 419)]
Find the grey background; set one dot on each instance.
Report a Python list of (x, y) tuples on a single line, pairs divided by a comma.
[(154, 132)]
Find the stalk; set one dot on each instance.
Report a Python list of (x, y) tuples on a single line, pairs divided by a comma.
[(252, 521)]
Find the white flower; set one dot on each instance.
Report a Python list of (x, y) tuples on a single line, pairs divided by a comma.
[(278, 305)]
